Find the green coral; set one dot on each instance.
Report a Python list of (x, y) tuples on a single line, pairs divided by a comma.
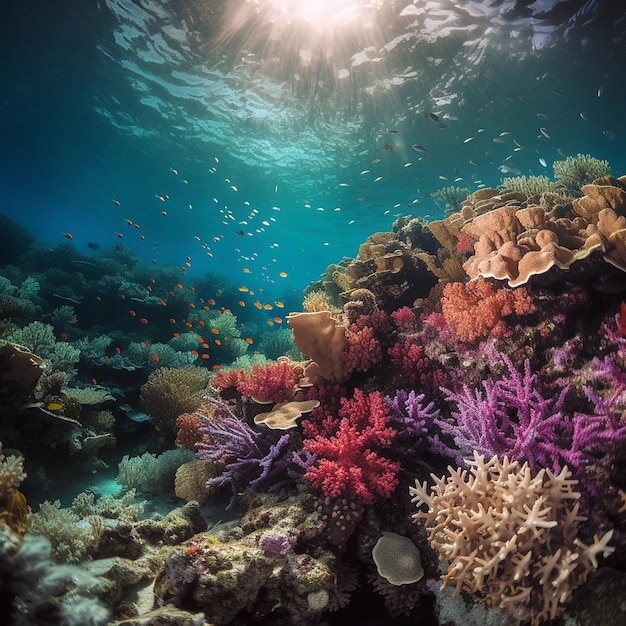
[(528, 185), (279, 342), (580, 170), (37, 337), (452, 196)]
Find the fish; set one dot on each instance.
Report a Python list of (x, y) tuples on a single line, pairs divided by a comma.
[(433, 116), (68, 235), (390, 147), (543, 162), (543, 116), (419, 148), (362, 197), (116, 202), (393, 131), (544, 132), (93, 245), (584, 116)]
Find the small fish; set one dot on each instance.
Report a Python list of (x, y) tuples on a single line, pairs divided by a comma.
[(543, 116), (543, 162), (433, 116), (116, 202), (68, 235), (600, 91), (362, 197), (63, 336), (584, 116), (390, 147), (248, 340), (155, 357), (474, 163), (143, 320), (54, 406), (393, 131), (468, 139), (283, 274), (544, 132), (419, 148), (93, 245), (556, 91)]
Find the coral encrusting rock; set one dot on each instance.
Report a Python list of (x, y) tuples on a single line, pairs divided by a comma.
[(509, 536)]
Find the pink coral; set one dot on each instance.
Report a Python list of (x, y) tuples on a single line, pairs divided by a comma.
[(405, 320), (363, 350), (273, 382), (350, 462), (408, 362), (477, 309)]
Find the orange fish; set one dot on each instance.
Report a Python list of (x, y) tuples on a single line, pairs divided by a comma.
[(129, 222), (192, 305), (177, 335), (105, 357), (278, 320), (143, 320), (283, 274), (268, 307), (257, 304), (201, 322), (205, 356), (147, 344), (195, 352), (94, 381), (279, 304), (155, 357), (200, 340), (117, 350), (172, 320), (205, 345), (68, 235), (216, 367), (188, 324), (162, 303), (63, 336), (192, 288), (179, 285), (249, 340), (242, 303), (243, 288), (152, 280), (217, 342), (132, 313), (211, 301), (215, 331)]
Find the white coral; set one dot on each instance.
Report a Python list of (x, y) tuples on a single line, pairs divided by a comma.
[(509, 534)]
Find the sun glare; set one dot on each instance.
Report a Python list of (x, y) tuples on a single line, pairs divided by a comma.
[(320, 15)]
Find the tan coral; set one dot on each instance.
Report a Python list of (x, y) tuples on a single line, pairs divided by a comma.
[(191, 479), (605, 192), (322, 338), (285, 415), (510, 535)]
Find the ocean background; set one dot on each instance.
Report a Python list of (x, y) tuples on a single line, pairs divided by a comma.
[(245, 113)]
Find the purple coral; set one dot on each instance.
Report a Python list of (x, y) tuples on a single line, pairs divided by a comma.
[(511, 417), (250, 458), (417, 437)]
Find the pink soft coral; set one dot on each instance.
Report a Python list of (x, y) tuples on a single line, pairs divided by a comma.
[(476, 310), (351, 461), (363, 350), (273, 382)]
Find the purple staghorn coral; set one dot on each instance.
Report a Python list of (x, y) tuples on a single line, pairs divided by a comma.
[(417, 437), (511, 417), (250, 458)]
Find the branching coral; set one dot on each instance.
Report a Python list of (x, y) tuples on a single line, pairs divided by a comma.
[(510, 535), (352, 462), (574, 172), (249, 458), (510, 416)]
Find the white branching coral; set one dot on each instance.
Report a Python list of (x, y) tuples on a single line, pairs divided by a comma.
[(509, 535)]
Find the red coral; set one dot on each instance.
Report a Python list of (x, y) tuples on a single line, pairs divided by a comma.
[(273, 382), (363, 349), (477, 309), (405, 320), (350, 462), (408, 362)]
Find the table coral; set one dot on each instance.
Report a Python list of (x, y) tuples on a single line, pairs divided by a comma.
[(509, 534)]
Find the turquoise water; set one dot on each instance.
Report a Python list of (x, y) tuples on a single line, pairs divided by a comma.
[(176, 160), (104, 101)]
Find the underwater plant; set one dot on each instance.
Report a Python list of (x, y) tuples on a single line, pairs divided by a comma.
[(574, 172)]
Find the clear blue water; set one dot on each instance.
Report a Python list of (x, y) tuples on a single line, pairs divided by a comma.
[(252, 120)]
